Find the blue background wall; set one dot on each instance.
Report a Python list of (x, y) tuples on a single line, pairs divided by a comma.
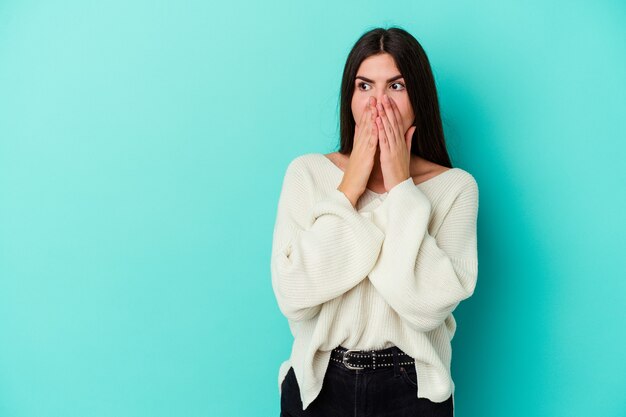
[(142, 148)]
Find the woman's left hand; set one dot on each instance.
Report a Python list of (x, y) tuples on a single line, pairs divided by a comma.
[(395, 147)]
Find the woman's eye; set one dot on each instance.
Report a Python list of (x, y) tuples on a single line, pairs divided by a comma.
[(362, 84)]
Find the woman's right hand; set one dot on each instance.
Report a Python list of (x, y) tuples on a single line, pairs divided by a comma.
[(361, 162)]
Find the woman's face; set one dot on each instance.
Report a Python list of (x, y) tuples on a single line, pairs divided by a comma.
[(378, 75)]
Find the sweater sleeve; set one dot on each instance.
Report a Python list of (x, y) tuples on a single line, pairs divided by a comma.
[(421, 277), (320, 249)]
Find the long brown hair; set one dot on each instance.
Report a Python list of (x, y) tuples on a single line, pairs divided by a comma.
[(428, 139)]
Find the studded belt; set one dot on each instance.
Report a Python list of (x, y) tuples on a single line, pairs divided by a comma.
[(369, 359)]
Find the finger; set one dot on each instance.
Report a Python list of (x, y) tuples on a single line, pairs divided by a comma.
[(381, 130), (394, 107), (389, 133), (364, 115), (408, 135), (373, 133), (373, 115), (367, 116), (363, 123), (382, 142), (371, 122), (367, 126), (391, 115)]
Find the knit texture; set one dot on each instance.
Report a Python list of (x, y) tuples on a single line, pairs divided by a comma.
[(389, 272)]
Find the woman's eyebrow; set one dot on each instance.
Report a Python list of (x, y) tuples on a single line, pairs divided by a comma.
[(370, 81)]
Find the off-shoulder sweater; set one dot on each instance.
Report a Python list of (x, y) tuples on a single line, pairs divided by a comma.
[(389, 271)]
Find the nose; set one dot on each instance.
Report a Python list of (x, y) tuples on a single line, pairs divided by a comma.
[(378, 98), (375, 99)]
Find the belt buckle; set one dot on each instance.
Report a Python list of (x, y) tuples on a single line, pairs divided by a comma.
[(347, 365)]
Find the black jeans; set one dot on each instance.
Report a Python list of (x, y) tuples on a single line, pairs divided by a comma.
[(382, 392)]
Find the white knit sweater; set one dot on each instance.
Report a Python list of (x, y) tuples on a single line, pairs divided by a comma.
[(389, 272)]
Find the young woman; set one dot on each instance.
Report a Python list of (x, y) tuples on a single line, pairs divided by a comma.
[(374, 247)]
